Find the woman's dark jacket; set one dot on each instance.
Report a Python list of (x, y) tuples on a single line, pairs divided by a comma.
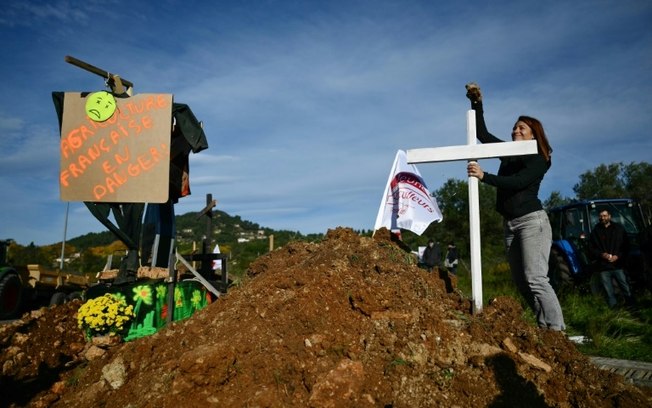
[(519, 177)]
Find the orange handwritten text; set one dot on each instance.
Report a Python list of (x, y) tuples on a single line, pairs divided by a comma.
[(147, 104), (83, 161), (74, 140), (122, 155), (119, 173)]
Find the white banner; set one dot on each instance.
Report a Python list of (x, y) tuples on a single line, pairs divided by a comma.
[(406, 202)]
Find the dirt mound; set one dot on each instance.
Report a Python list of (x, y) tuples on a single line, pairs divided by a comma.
[(349, 322)]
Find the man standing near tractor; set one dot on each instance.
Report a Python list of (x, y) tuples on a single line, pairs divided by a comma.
[(608, 247)]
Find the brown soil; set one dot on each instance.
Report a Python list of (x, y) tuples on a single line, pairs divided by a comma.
[(349, 322)]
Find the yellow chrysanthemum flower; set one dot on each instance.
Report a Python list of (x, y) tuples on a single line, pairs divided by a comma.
[(105, 314)]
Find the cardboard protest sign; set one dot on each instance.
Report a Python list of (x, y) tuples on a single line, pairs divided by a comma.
[(125, 158)]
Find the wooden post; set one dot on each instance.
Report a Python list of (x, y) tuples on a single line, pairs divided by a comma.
[(207, 267)]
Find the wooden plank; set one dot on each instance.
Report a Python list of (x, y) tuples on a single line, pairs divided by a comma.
[(637, 372), (471, 152), (95, 70)]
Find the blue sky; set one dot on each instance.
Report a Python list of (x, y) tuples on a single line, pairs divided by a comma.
[(305, 103)]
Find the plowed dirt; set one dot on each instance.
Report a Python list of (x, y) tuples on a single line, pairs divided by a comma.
[(348, 322)]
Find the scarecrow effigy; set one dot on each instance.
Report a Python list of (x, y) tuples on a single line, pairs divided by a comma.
[(126, 155)]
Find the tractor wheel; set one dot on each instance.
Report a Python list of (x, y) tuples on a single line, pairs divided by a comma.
[(559, 271), (58, 298), (11, 296)]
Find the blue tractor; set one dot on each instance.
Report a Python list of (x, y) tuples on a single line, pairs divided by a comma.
[(570, 261)]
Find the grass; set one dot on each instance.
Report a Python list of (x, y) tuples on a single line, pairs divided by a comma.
[(614, 333)]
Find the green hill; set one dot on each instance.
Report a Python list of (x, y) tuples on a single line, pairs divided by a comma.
[(226, 230), (242, 240)]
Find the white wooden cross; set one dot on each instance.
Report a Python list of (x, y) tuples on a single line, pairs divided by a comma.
[(471, 152)]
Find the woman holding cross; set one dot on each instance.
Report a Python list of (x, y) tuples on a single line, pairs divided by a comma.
[(528, 235)]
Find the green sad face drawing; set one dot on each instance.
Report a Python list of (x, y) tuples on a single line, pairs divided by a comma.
[(100, 106)]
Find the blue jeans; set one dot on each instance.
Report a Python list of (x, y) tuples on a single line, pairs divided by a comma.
[(621, 280), (528, 239)]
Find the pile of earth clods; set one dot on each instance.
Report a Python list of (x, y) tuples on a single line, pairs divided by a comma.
[(348, 322)]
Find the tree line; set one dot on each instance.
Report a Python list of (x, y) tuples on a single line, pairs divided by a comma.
[(616, 180)]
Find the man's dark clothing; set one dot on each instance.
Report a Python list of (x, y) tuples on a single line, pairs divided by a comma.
[(432, 256), (612, 240), (646, 245)]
